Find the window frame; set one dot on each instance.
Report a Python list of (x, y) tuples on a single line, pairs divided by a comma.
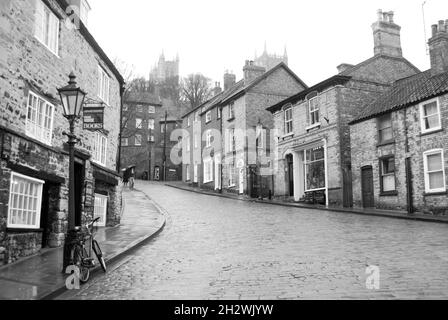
[(305, 165), (208, 139), (232, 110), (100, 145), (40, 5), (232, 180), (123, 143), (382, 175), (317, 109), (218, 113), (102, 222), (103, 92), (208, 170), (426, 173), (136, 139), (39, 136), (151, 124), (422, 118), (208, 116), (137, 124), (288, 123), (379, 129), (40, 184), (188, 144)]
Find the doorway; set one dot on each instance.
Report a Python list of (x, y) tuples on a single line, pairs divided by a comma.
[(290, 175), (367, 187)]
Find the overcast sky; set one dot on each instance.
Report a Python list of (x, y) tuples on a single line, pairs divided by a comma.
[(212, 36)]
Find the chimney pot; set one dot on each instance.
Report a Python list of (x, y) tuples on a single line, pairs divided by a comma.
[(438, 47), (380, 15), (434, 30), (387, 35), (391, 16)]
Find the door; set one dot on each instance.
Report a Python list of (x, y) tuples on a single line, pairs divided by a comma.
[(367, 187), (290, 166), (157, 174)]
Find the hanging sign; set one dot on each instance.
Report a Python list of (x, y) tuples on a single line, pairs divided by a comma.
[(93, 117)]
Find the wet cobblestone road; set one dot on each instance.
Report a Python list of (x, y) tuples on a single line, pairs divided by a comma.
[(217, 248)]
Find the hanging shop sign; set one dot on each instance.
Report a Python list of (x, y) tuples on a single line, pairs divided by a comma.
[(93, 117)]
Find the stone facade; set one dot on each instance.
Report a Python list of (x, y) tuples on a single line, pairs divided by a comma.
[(28, 67), (338, 100)]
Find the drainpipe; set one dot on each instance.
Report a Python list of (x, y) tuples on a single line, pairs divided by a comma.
[(118, 165), (327, 201), (222, 152)]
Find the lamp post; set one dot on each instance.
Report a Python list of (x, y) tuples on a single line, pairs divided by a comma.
[(72, 98)]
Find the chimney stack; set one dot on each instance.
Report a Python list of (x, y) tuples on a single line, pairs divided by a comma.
[(438, 47), (229, 80), (217, 89), (344, 66), (252, 71), (386, 35)]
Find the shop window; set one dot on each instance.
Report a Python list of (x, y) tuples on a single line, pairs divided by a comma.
[(100, 209), (25, 201), (315, 169)]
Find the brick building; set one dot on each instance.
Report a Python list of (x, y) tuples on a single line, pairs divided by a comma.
[(38, 50), (400, 144), (220, 128), (143, 138), (313, 126)]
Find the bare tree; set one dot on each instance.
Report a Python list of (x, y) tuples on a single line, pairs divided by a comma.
[(196, 89)]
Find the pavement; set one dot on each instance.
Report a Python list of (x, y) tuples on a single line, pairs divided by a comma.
[(364, 211), (221, 249), (40, 277)]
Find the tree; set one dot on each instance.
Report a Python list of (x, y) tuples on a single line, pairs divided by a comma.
[(196, 89)]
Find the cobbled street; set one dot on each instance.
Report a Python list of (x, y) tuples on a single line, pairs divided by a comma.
[(217, 248)]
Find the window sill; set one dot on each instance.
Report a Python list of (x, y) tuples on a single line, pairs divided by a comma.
[(23, 230), (385, 143), (47, 47), (431, 132), (440, 193), (289, 135), (314, 126), (231, 119), (389, 194)]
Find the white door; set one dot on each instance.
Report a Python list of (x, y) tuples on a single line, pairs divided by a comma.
[(100, 209), (217, 173), (195, 174), (241, 180)]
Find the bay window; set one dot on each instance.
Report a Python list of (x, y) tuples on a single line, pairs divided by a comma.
[(39, 121)]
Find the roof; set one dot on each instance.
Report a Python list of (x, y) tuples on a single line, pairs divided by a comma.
[(245, 88), (405, 92), (333, 81), (143, 98), (96, 47), (169, 119)]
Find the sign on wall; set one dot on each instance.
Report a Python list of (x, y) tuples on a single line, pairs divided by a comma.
[(93, 117)]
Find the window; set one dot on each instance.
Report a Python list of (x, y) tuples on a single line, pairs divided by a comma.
[(187, 169), (188, 144), (100, 209), (103, 85), (25, 198), (188, 121), (208, 117), (231, 145), (151, 124), (100, 149), (139, 108), (231, 175), (434, 166), (138, 140), (39, 121), (208, 139), (151, 138), (47, 27), (315, 169), (208, 170), (124, 142), (387, 171), (125, 122), (385, 129), (218, 113), (430, 116), (138, 123), (288, 120), (231, 110), (151, 109), (314, 112)]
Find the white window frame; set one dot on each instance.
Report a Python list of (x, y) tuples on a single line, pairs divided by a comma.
[(289, 126), (151, 124), (103, 85), (21, 197), (47, 27), (100, 209), (100, 149), (208, 117), (426, 172), (208, 138), (422, 118), (315, 110), (136, 138), (151, 109), (306, 163), (125, 142), (138, 123), (208, 170), (40, 129), (232, 110)]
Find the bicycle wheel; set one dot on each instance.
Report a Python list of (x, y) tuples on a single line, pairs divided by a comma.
[(78, 254), (99, 255)]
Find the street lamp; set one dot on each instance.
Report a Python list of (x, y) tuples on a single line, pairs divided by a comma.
[(72, 99)]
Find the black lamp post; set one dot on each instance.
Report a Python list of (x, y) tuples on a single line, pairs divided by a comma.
[(72, 98)]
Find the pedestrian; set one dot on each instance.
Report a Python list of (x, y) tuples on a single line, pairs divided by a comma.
[(131, 178), (125, 178)]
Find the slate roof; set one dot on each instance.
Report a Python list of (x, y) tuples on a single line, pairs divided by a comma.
[(406, 92)]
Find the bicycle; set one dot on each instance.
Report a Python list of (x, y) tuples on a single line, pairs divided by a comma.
[(81, 257)]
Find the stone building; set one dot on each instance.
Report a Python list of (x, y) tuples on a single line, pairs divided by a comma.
[(225, 121), (269, 60), (399, 143), (314, 136), (39, 48)]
